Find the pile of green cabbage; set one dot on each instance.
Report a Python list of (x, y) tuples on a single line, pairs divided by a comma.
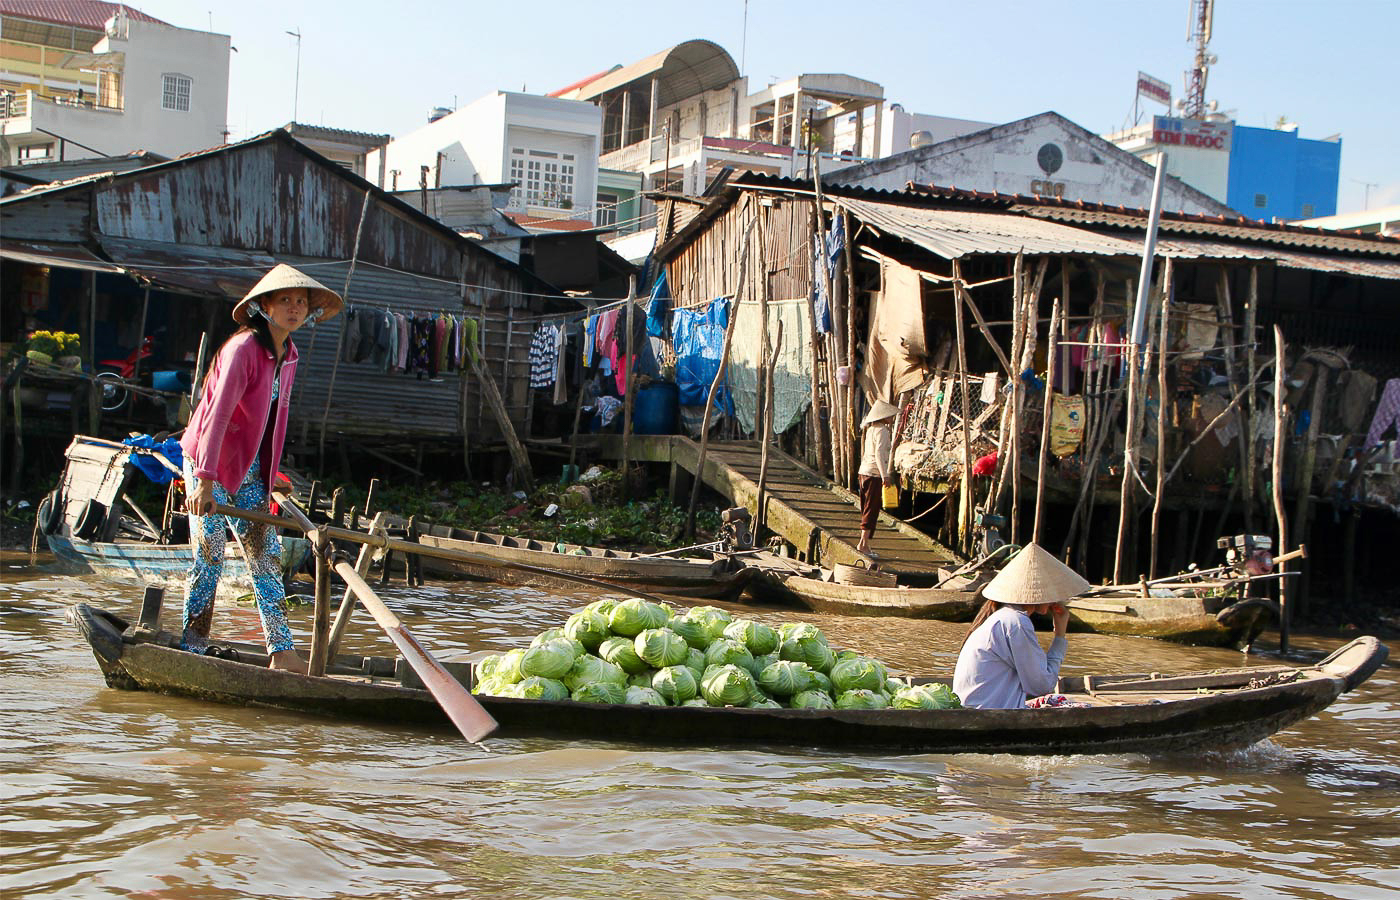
[(636, 651)]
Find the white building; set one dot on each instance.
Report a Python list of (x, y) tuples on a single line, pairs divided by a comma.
[(546, 146), (85, 78), (1045, 155)]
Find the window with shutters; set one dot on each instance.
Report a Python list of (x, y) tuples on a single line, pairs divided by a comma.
[(175, 93)]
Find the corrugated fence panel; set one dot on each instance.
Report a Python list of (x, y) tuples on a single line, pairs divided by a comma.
[(367, 400)]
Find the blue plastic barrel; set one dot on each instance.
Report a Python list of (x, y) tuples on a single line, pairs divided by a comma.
[(657, 407)]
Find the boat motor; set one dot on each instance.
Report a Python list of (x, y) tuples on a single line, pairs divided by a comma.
[(1251, 554), (734, 529)]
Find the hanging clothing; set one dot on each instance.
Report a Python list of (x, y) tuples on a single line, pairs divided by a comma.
[(590, 340), (561, 384), (1387, 413), (607, 327), (420, 351), (543, 351), (834, 246)]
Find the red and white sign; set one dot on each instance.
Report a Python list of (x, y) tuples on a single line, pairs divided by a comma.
[(1198, 133), (1154, 89)]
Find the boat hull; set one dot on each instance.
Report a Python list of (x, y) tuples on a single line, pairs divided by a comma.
[(1235, 714), (823, 596), (165, 564)]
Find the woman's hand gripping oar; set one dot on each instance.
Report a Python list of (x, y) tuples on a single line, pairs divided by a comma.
[(470, 717)]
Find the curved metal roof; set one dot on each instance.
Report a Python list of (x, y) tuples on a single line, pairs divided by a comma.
[(687, 69)]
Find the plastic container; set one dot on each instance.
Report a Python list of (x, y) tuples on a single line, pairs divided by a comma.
[(175, 381), (656, 408)]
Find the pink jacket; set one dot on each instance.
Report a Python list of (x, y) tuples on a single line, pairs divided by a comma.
[(226, 431)]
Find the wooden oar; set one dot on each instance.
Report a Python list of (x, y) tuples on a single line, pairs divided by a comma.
[(461, 707)]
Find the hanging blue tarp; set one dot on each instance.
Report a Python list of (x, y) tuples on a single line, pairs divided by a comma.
[(656, 308), (698, 339), (150, 467), (835, 246)]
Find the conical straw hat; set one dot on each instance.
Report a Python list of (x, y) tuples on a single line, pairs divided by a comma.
[(284, 276), (879, 412), (1034, 577)]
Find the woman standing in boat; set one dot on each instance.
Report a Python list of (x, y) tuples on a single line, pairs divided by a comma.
[(874, 468), (233, 445), (1001, 664)]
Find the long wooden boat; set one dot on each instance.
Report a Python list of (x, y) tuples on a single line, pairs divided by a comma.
[(712, 575), (821, 593), (1138, 713), (1211, 621), (91, 525)]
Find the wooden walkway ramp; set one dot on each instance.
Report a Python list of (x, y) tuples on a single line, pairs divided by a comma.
[(820, 519)]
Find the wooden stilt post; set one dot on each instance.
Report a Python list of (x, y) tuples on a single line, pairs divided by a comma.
[(1161, 464), (321, 612), (1044, 455), (1227, 319), (965, 506), (1251, 337), (766, 427), (1093, 422), (1281, 519)]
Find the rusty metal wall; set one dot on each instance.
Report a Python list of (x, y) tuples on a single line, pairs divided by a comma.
[(368, 401)]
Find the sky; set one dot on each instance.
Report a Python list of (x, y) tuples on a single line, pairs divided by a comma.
[(379, 67)]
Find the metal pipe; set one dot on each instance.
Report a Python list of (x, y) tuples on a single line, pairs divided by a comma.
[(1149, 249)]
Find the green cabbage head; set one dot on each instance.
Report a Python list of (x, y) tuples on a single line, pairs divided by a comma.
[(858, 672), (633, 616), (622, 652), (728, 685), (550, 659), (726, 652), (588, 669), (813, 700), (676, 683), (785, 678), (644, 696), (860, 698), (600, 692), (661, 647), (588, 627), (757, 637), (537, 688)]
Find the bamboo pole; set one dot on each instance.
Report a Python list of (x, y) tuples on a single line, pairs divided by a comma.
[(1251, 335), (1055, 313), (1030, 330), (965, 504), (629, 390), (1006, 439), (761, 515), (719, 377), (1093, 425), (1281, 520), (320, 629), (1227, 318), (1161, 465), (840, 428)]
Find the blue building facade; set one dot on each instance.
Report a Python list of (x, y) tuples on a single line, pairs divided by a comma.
[(1276, 174)]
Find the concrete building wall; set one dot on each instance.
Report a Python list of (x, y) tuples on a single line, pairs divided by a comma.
[(1013, 159), (1276, 174), (151, 51)]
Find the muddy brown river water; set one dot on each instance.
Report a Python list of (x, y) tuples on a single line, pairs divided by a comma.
[(109, 793)]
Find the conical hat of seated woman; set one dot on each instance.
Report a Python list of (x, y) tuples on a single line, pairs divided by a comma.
[(1034, 577)]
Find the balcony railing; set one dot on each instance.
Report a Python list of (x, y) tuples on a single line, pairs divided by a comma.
[(20, 104)]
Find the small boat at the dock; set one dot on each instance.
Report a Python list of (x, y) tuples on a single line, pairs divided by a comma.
[(1122, 713), (712, 574), (91, 524), (820, 592), (1213, 620)]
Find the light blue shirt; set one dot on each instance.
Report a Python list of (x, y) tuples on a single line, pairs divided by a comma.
[(1002, 664)]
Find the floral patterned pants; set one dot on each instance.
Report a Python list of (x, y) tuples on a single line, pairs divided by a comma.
[(261, 548)]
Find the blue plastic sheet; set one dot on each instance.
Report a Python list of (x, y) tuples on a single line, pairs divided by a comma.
[(698, 339), (150, 467), (656, 308)]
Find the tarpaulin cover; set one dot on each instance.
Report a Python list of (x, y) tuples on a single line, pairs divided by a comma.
[(151, 467), (657, 306), (698, 339)]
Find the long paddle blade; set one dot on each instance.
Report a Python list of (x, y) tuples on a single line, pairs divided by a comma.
[(470, 717)]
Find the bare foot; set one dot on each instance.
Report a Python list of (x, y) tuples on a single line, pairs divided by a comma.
[(289, 661)]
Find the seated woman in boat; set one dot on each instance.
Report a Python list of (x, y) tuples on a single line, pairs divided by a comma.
[(1001, 664), (233, 445)]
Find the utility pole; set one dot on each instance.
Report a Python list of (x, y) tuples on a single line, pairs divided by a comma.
[(296, 84)]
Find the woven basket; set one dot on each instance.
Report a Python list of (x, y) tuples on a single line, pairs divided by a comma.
[(860, 575)]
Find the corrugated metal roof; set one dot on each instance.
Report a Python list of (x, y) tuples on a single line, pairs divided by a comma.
[(1241, 230), (952, 234), (63, 256), (189, 268), (82, 13), (687, 69)]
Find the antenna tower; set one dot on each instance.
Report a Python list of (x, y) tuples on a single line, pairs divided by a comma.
[(1194, 104)]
